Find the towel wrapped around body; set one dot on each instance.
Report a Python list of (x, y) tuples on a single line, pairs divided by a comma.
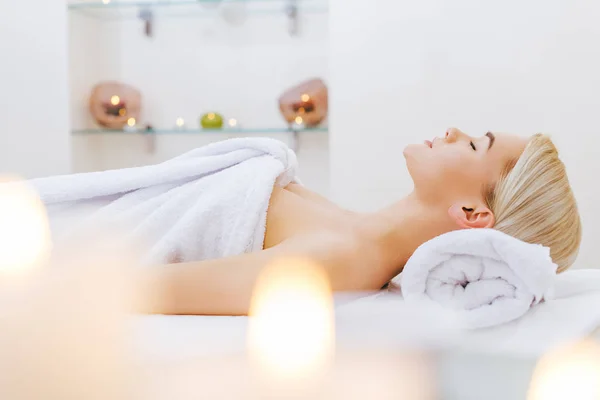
[(208, 203), (487, 277)]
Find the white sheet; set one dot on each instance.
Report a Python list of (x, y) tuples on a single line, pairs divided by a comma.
[(573, 312), (180, 338), (386, 321)]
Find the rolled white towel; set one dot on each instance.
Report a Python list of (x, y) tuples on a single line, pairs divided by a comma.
[(487, 277)]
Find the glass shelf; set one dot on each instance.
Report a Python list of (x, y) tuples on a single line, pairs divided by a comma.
[(231, 131), (195, 7)]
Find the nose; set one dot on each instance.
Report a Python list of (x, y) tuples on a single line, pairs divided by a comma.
[(454, 134)]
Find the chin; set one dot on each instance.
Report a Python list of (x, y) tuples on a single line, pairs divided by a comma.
[(412, 150)]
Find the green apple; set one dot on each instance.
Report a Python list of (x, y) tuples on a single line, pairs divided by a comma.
[(211, 121)]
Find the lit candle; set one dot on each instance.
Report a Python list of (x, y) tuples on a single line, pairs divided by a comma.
[(298, 123), (180, 123), (305, 98), (232, 123), (24, 229), (571, 372), (115, 107), (66, 354), (211, 121), (291, 331), (131, 125)]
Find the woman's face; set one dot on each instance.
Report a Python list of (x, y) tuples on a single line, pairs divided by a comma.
[(457, 166)]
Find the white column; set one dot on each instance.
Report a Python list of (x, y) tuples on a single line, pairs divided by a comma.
[(34, 127)]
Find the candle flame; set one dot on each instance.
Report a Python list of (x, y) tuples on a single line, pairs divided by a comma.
[(305, 97), (131, 122), (114, 100), (291, 331), (179, 122), (211, 116), (571, 372), (299, 120), (24, 229), (232, 122)]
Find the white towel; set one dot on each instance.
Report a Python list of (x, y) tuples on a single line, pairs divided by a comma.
[(486, 276), (570, 315), (208, 203)]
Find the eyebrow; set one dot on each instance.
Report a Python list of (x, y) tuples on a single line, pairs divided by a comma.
[(492, 139)]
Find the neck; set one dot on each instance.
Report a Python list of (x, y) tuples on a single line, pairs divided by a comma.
[(402, 227)]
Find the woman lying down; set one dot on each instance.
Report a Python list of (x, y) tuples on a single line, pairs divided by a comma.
[(216, 216)]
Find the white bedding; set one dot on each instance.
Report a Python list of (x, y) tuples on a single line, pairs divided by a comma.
[(573, 312), (189, 357), (387, 321), (178, 338)]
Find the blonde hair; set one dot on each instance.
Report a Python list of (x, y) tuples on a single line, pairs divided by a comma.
[(533, 202)]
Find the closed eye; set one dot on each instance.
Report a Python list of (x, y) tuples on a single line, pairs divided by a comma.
[(473, 146)]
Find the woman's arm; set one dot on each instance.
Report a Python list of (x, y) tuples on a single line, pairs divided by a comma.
[(224, 286)]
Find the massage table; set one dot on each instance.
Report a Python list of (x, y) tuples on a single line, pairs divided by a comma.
[(494, 363)]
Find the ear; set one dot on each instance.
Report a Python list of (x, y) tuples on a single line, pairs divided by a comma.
[(468, 216)]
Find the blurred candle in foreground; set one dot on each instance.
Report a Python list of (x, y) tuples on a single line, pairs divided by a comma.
[(72, 326), (570, 372), (24, 229), (291, 329)]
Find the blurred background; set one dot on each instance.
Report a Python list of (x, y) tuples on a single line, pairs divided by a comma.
[(395, 71)]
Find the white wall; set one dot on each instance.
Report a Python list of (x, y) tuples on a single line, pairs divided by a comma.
[(34, 125), (402, 71), (196, 63)]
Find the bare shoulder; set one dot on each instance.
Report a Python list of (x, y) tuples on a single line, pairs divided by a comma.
[(309, 194), (351, 262)]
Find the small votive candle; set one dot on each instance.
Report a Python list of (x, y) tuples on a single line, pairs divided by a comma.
[(115, 107), (131, 125), (298, 123), (232, 123)]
